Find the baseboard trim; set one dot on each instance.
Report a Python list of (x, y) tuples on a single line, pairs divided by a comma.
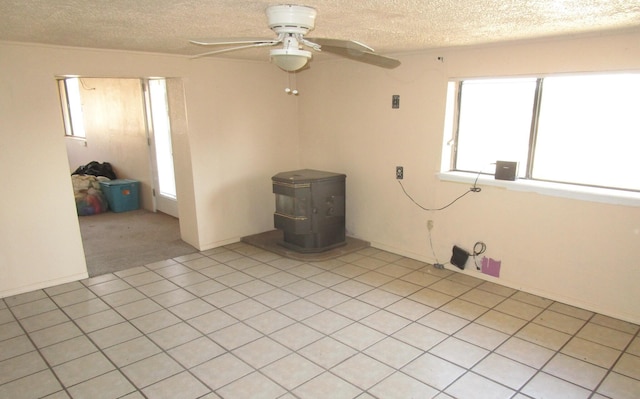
[(43, 285)]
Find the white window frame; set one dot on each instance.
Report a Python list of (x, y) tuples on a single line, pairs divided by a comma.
[(71, 110), (485, 176)]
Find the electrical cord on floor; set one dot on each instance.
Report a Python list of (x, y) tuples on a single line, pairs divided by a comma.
[(473, 189), (437, 265), (478, 249)]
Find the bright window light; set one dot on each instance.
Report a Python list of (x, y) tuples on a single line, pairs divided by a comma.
[(494, 124), (580, 129), (589, 131), (72, 107)]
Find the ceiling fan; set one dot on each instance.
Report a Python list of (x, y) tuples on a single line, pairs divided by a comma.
[(291, 23)]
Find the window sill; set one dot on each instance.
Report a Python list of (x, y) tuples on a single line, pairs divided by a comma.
[(593, 194), (81, 140)]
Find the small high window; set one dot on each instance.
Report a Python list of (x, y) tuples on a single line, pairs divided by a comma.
[(70, 100)]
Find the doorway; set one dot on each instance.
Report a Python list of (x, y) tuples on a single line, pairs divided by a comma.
[(128, 125), (125, 122), (161, 151)]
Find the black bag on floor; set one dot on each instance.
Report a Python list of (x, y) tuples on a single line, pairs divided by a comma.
[(96, 169)]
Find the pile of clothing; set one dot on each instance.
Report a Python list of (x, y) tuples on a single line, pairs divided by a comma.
[(90, 199)]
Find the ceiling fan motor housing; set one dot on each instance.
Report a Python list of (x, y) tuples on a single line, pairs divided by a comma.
[(288, 18), (291, 23)]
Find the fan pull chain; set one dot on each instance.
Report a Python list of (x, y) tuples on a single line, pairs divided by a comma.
[(288, 90)]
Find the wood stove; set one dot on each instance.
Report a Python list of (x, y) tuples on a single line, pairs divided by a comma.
[(310, 209)]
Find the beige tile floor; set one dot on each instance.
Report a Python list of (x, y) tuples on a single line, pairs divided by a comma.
[(240, 322)]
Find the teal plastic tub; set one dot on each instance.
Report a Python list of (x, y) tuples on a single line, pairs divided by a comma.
[(122, 194)]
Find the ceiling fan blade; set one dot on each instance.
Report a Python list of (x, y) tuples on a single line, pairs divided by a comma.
[(363, 56), (231, 41), (346, 44), (224, 50)]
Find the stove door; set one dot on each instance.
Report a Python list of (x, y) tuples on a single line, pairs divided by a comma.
[(293, 207)]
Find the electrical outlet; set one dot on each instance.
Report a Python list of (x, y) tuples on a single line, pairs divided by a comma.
[(430, 225), (399, 172)]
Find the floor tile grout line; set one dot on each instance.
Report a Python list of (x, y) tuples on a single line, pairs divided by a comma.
[(230, 351), (411, 321), (470, 369), (378, 307), (467, 369), (489, 352), (538, 370), (259, 370), (162, 350), (361, 294), (322, 334), (555, 354), (613, 365), (166, 352), (101, 350), (398, 278), (36, 349), (528, 321), (85, 334), (556, 351)]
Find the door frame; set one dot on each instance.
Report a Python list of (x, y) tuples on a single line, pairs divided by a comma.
[(161, 203)]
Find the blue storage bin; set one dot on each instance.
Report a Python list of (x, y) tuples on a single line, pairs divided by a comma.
[(122, 194)]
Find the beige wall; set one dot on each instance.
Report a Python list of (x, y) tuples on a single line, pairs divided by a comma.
[(579, 252), (39, 236), (241, 128), (239, 132)]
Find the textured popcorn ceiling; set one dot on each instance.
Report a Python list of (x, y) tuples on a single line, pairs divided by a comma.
[(389, 26)]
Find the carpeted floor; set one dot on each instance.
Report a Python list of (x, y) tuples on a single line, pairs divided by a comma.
[(118, 241)]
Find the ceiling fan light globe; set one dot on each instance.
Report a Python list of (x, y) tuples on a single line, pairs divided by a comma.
[(290, 59)]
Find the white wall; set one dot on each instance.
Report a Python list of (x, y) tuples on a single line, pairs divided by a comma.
[(238, 132), (581, 253)]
